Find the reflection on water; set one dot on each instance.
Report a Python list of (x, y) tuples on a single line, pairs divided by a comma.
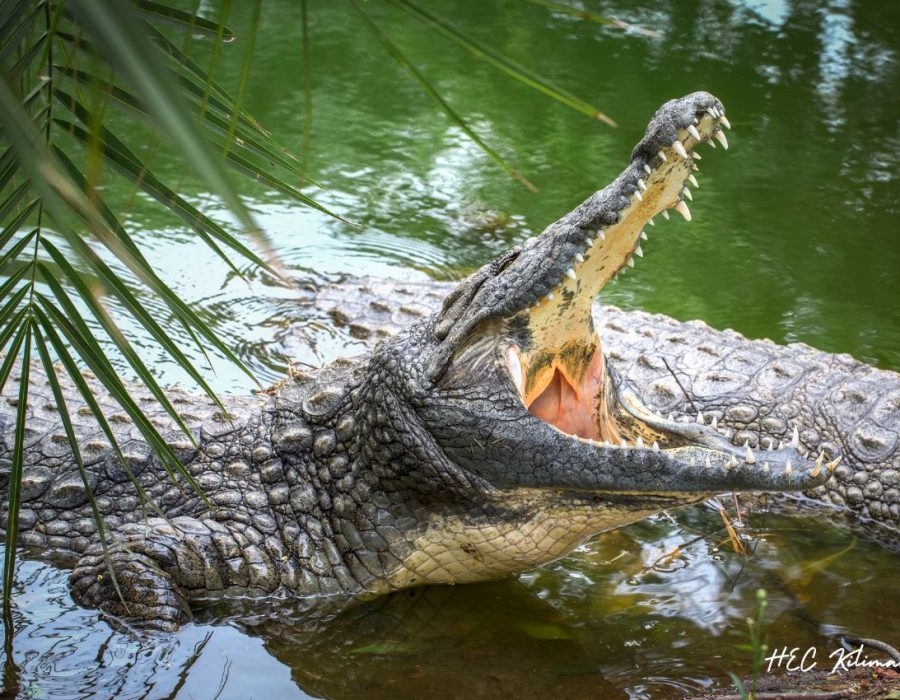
[(794, 238), (654, 610), (794, 232)]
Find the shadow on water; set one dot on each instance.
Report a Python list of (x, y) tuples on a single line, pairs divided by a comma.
[(488, 640)]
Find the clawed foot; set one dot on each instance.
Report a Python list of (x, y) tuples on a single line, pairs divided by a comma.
[(147, 596)]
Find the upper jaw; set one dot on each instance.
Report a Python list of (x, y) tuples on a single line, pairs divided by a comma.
[(561, 365), (576, 256), (587, 248)]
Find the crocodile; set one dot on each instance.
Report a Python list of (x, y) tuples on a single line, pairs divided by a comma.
[(485, 439)]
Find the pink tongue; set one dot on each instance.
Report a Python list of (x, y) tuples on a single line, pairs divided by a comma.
[(558, 405)]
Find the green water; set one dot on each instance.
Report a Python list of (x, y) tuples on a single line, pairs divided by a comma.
[(795, 231), (795, 238)]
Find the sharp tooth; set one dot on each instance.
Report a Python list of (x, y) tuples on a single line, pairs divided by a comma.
[(655, 446), (648, 169), (692, 130), (832, 465), (590, 242), (695, 167), (795, 438), (630, 261), (788, 468), (641, 184), (602, 234), (708, 464), (731, 463), (637, 196), (606, 443), (700, 418), (693, 180), (623, 443), (815, 472), (714, 111), (639, 442), (638, 251), (765, 467), (749, 457), (662, 156), (643, 235), (671, 417), (724, 120), (665, 214), (781, 444), (651, 221), (687, 193), (820, 459), (714, 424), (678, 147), (712, 143), (682, 209), (570, 273), (550, 297), (579, 257), (720, 137), (697, 156)]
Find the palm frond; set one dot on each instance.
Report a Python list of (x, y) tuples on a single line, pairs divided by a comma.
[(398, 56), (183, 20), (18, 458), (63, 409), (501, 62), (63, 252)]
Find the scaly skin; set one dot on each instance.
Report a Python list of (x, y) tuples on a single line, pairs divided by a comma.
[(754, 389), (486, 439)]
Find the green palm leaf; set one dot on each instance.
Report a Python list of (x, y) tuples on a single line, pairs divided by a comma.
[(395, 53), (508, 66), (46, 200)]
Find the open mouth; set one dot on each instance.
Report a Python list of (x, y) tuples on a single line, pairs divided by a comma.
[(560, 372)]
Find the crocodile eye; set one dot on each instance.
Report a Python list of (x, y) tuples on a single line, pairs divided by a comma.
[(505, 261), (505, 264)]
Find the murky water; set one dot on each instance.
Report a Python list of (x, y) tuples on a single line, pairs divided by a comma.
[(795, 237), (653, 610)]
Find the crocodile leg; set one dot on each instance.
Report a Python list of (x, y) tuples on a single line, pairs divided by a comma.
[(160, 565)]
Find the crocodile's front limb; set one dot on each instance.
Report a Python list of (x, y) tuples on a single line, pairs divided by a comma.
[(226, 544), (159, 565)]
